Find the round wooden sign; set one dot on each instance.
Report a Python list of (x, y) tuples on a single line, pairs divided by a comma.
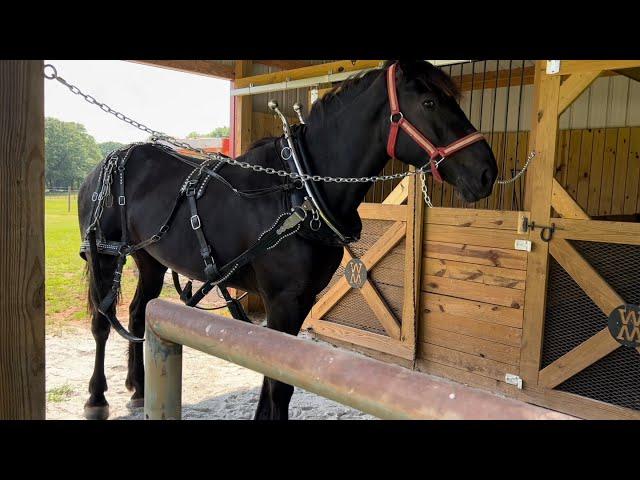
[(624, 325), (356, 273)]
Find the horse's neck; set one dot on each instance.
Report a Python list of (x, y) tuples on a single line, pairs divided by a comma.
[(349, 143)]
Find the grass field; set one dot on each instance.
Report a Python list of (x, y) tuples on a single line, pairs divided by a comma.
[(66, 290)]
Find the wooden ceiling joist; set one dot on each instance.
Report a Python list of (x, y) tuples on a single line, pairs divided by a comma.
[(209, 68), (285, 64), (306, 72)]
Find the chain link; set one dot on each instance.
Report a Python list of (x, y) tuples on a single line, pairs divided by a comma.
[(157, 136), (520, 173)]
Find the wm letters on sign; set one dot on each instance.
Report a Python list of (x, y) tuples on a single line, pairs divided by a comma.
[(356, 273), (624, 325)]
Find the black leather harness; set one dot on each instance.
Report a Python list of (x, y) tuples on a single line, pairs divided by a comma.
[(192, 189)]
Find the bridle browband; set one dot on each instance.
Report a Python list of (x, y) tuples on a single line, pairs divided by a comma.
[(399, 122)]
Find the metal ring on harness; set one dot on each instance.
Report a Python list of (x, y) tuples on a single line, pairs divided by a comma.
[(288, 156)]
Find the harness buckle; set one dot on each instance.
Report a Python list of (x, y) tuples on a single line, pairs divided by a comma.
[(122, 200), (94, 197), (195, 222)]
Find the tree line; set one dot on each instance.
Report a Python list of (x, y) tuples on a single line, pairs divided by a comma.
[(71, 152)]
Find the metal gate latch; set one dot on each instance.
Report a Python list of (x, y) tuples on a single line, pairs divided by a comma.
[(546, 232)]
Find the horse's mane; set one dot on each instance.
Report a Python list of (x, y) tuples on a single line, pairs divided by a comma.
[(430, 76)]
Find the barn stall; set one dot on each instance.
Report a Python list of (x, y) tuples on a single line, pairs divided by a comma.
[(471, 293)]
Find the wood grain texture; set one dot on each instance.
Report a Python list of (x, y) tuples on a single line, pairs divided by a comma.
[(22, 346), (243, 112), (585, 354), (540, 185), (433, 303), (497, 257), (209, 68)]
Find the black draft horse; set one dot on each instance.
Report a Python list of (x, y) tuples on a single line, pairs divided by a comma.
[(346, 136)]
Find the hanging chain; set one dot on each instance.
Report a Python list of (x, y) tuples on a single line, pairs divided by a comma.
[(520, 173), (157, 136)]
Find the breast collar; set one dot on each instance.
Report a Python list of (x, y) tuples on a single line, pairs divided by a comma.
[(297, 196)]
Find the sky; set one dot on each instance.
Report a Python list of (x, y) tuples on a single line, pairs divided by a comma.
[(165, 100)]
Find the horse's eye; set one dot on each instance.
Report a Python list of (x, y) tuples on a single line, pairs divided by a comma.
[(430, 104)]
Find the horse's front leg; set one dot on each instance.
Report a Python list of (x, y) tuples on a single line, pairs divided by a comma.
[(286, 312)]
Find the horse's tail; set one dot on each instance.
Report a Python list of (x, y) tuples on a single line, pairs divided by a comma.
[(95, 282)]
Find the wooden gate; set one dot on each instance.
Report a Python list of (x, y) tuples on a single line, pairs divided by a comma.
[(378, 312), (575, 281)]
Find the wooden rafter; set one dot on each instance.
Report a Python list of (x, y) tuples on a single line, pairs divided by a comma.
[(568, 67), (285, 64), (210, 68), (306, 72), (573, 86)]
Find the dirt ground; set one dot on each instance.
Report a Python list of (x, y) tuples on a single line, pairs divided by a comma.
[(212, 388)]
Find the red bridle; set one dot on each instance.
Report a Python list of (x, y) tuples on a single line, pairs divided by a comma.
[(398, 121)]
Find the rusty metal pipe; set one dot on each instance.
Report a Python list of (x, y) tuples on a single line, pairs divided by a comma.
[(381, 389), (162, 379)]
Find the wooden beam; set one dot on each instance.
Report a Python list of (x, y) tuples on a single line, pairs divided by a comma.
[(632, 73), (399, 194), (587, 278), (540, 183), (565, 205), (573, 86), (597, 231), (305, 72), (585, 354), (285, 64), (209, 68), (386, 242), (567, 67), (22, 269), (381, 310), (412, 262), (243, 112)]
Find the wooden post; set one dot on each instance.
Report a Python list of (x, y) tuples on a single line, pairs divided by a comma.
[(539, 186), (243, 111), (413, 263), (22, 373)]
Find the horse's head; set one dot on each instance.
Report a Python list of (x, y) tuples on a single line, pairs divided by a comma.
[(427, 99)]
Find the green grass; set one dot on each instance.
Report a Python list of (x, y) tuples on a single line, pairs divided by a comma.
[(66, 290), (59, 394)]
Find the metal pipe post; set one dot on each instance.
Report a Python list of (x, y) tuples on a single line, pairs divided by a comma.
[(163, 378)]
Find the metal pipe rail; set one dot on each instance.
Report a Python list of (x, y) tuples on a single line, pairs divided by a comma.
[(381, 389)]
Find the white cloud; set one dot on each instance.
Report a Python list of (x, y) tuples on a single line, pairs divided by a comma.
[(169, 101)]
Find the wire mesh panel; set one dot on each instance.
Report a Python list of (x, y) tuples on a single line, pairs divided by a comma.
[(387, 277), (572, 318)]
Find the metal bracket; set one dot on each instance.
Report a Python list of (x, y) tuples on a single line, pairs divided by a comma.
[(513, 379), (553, 67), (546, 232)]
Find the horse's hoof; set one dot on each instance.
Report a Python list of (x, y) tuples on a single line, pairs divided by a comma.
[(135, 403), (100, 412)]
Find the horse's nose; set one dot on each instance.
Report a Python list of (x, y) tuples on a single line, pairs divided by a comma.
[(487, 178)]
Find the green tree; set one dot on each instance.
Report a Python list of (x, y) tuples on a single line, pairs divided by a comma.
[(70, 153), (219, 132), (106, 147)]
